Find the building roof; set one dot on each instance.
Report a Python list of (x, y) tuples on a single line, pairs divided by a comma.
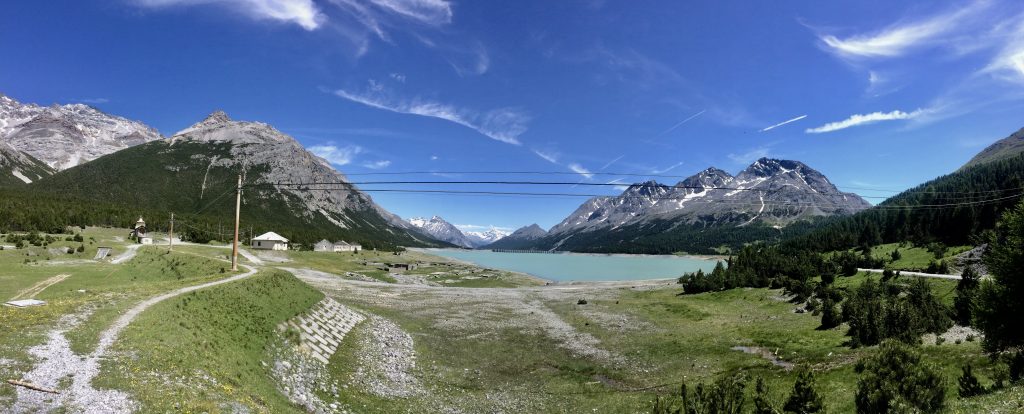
[(341, 243), (271, 236), (324, 241)]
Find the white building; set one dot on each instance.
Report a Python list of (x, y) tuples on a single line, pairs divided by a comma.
[(342, 246), (323, 246), (270, 241)]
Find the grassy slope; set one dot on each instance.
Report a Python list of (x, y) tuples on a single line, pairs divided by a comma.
[(913, 258), (204, 351), (109, 288)]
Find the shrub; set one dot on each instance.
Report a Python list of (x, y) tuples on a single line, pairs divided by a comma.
[(830, 317), (724, 396), (999, 302), (969, 384), (895, 378), (762, 402), (804, 399)]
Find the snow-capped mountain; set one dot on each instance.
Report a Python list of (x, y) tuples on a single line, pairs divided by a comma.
[(64, 136), (18, 168), (521, 238), (483, 238), (776, 192), (442, 230)]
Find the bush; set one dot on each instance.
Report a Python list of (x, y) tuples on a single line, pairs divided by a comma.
[(966, 291), (804, 399), (879, 311), (999, 303), (724, 396), (969, 384), (762, 402), (830, 317), (895, 378)]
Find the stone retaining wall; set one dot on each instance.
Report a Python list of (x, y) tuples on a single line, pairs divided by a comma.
[(322, 328)]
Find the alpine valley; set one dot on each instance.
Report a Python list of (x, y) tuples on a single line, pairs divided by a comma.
[(442, 230)]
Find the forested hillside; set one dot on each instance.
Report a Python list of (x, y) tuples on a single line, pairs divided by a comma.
[(156, 179), (949, 209)]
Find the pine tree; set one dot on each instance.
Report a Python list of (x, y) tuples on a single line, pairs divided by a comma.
[(966, 291), (1000, 303), (896, 376), (969, 384), (830, 317), (804, 399), (762, 402)]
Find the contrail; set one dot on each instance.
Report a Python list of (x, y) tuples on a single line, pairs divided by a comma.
[(609, 164), (682, 122), (783, 123)]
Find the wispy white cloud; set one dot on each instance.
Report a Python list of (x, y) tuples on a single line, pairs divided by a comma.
[(900, 38), (862, 119), (579, 169), (377, 165), (434, 158), (474, 60), (750, 156), (304, 13), (93, 101), (397, 77), (783, 123), (433, 12), (1008, 63), (504, 124), (549, 156), (337, 155)]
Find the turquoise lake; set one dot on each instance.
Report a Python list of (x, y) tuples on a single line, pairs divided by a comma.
[(581, 267)]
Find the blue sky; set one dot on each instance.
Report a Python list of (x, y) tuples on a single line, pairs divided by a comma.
[(875, 94)]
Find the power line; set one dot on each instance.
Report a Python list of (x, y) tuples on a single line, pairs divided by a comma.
[(596, 173), (566, 183), (303, 187)]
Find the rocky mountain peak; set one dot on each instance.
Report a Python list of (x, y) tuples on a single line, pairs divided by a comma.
[(442, 230), (218, 126), (64, 136), (709, 178), (646, 188), (216, 117)]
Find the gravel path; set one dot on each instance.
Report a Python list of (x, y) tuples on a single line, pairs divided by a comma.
[(127, 255), (919, 274), (81, 396)]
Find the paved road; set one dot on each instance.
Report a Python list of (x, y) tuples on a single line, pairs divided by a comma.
[(906, 273)]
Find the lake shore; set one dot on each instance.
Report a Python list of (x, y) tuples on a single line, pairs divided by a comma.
[(574, 268)]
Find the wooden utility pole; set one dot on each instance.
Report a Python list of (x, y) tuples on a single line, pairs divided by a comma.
[(170, 235), (238, 210)]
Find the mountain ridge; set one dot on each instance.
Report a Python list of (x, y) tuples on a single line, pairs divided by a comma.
[(63, 136), (193, 170)]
